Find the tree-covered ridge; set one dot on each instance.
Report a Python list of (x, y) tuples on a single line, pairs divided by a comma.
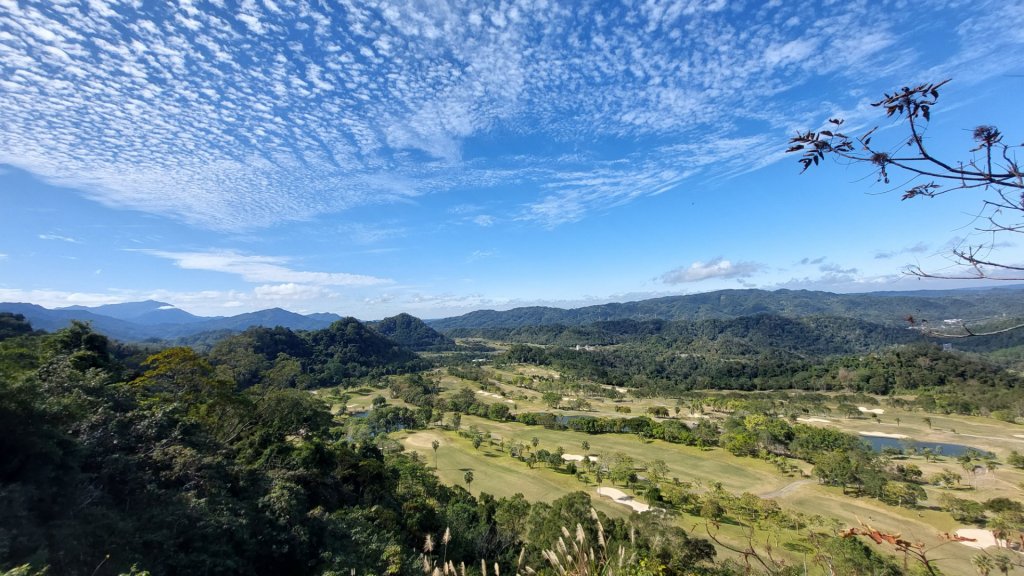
[(890, 308), (815, 336), (412, 333), (345, 350), (945, 381)]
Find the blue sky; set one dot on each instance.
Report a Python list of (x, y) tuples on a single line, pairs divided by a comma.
[(368, 158)]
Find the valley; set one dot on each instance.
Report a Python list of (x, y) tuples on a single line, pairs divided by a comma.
[(758, 444), (802, 498)]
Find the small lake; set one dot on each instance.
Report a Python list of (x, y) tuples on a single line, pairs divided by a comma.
[(564, 419), (879, 443)]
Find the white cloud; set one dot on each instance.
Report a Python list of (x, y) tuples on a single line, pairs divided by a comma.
[(59, 238), (484, 220), (60, 298), (208, 116), (850, 282), (832, 268), (480, 254), (289, 291), (267, 269), (716, 268), (368, 234), (790, 52)]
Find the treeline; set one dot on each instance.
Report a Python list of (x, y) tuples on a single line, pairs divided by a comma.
[(880, 307), (816, 336), (839, 458), (172, 469), (949, 382)]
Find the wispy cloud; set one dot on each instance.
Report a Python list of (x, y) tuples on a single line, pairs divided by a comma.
[(60, 298), (262, 269), (480, 254), (290, 291), (831, 268), (362, 233), (918, 248), (845, 282), (716, 268), (240, 115), (58, 238), (484, 220)]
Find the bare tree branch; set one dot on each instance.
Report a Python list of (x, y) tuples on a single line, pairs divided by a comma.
[(992, 167)]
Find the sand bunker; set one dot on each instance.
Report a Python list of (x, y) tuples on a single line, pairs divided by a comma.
[(981, 538), (884, 435), (821, 420), (623, 498), (577, 458), (870, 410), (493, 395)]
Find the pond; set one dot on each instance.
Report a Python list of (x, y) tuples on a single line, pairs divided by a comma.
[(906, 445)]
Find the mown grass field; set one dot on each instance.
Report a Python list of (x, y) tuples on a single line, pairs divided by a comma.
[(500, 475), (497, 473)]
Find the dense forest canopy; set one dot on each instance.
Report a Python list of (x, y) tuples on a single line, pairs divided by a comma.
[(345, 350)]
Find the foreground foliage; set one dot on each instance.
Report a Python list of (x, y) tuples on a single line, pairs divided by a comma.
[(172, 469)]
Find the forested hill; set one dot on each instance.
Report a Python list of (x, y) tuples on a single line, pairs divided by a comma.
[(413, 333), (816, 336), (891, 308), (280, 357)]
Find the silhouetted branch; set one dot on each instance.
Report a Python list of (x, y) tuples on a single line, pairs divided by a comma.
[(992, 167)]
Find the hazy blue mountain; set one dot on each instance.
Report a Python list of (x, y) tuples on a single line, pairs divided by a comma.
[(51, 320), (890, 308), (269, 318), (135, 321), (147, 312), (328, 317)]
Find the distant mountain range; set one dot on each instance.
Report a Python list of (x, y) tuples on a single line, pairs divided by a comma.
[(148, 312), (887, 308), (138, 321)]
